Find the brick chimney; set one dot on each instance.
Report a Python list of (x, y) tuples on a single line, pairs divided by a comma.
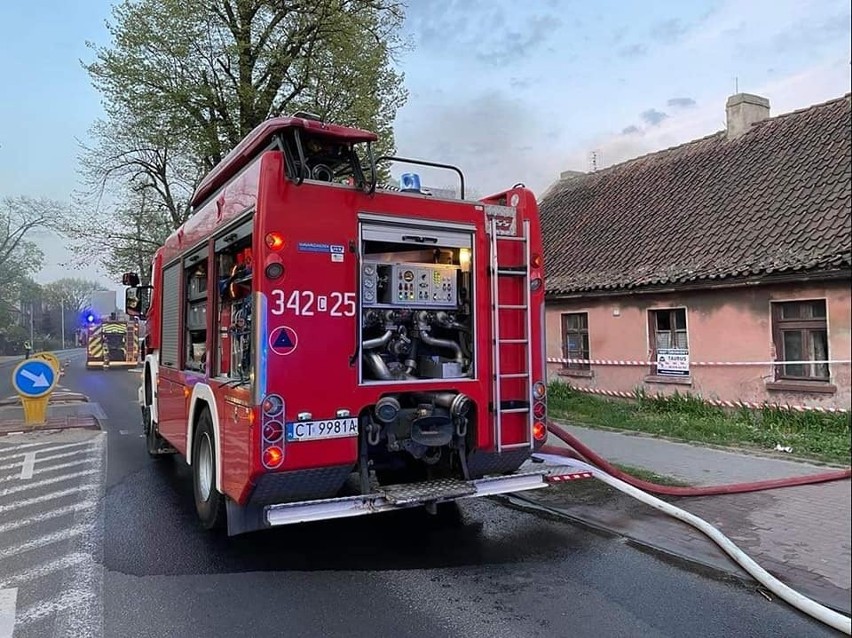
[(743, 110)]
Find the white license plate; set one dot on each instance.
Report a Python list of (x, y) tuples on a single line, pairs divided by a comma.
[(327, 429)]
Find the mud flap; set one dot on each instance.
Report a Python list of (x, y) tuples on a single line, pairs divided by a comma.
[(244, 519)]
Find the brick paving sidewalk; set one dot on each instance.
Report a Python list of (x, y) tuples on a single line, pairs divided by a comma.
[(73, 414), (799, 534)]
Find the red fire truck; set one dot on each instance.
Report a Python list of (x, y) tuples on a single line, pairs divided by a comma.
[(320, 346)]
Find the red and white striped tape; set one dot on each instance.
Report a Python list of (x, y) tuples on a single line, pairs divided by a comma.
[(723, 404), (560, 478), (619, 362)]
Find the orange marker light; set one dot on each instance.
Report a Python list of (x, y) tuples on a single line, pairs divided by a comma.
[(272, 457), (275, 240), (536, 261)]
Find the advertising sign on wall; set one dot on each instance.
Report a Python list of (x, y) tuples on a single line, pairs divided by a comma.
[(673, 361)]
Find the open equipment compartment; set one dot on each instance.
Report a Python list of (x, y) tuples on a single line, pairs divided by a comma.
[(416, 302)]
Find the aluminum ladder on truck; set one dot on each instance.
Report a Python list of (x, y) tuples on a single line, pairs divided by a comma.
[(498, 271)]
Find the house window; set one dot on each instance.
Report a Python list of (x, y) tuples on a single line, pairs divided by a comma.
[(669, 343), (575, 339), (800, 333)]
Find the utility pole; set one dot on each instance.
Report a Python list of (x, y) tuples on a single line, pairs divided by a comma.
[(62, 321)]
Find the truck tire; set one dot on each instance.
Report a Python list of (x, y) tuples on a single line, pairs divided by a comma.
[(209, 503)]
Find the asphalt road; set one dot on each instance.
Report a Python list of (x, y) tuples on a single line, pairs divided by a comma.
[(141, 563)]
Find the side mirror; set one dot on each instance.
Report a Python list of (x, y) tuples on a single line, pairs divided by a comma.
[(137, 300), (130, 279)]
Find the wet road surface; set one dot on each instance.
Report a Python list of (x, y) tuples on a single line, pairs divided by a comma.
[(491, 571)]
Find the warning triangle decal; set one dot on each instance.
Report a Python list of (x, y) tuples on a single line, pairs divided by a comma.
[(283, 340)]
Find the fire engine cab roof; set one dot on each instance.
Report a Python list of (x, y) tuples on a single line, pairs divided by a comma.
[(257, 140)]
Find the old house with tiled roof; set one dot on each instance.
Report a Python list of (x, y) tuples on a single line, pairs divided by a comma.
[(702, 267)]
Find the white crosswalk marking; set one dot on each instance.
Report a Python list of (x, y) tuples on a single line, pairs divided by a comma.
[(41, 458), (28, 465), (46, 516), (56, 479), (10, 452), (51, 444), (51, 533), (67, 601), (8, 601), (41, 541), (63, 466), (52, 496), (44, 569)]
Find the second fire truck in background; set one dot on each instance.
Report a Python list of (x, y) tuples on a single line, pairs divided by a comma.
[(112, 343)]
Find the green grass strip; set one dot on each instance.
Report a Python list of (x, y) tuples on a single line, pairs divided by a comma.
[(820, 436)]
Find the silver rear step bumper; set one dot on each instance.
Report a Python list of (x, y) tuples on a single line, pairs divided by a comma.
[(397, 497)]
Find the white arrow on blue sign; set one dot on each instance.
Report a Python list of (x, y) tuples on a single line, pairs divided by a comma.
[(34, 378)]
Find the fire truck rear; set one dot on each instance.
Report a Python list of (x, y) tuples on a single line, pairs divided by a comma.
[(320, 346), (111, 343)]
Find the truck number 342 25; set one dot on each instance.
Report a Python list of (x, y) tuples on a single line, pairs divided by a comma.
[(307, 303)]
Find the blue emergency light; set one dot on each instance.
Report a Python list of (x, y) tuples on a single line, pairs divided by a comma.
[(409, 183)]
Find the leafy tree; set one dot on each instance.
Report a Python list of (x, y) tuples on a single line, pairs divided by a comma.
[(66, 299), (127, 237), (72, 292), (20, 218), (15, 317), (184, 80)]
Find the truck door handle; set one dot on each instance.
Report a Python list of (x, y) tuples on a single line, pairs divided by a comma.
[(420, 239)]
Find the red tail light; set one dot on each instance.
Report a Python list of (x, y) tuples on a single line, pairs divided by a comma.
[(272, 431), (539, 431)]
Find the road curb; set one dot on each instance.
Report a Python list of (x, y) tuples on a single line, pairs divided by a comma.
[(733, 449), (732, 573), (82, 415)]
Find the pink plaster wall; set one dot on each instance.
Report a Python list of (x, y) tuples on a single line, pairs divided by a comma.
[(725, 325)]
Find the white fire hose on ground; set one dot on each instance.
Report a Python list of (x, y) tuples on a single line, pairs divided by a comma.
[(802, 603)]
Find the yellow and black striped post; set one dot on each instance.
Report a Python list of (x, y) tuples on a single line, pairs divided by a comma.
[(95, 348)]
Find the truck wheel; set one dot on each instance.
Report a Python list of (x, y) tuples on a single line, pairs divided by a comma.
[(209, 503)]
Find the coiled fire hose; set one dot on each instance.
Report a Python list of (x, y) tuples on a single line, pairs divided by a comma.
[(612, 476)]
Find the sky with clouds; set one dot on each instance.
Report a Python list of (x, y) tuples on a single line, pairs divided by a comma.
[(510, 92)]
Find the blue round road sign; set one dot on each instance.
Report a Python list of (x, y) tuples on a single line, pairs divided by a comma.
[(34, 378)]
